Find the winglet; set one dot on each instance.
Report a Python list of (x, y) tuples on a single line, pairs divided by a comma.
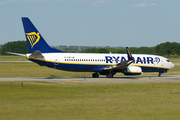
[(129, 54)]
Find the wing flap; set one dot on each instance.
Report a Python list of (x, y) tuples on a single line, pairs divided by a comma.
[(119, 66)]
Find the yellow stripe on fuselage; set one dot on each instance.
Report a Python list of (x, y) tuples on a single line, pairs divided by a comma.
[(133, 72)]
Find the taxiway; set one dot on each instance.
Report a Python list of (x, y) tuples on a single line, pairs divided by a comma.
[(101, 80)]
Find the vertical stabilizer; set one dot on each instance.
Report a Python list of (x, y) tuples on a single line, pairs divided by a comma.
[(34, 39)]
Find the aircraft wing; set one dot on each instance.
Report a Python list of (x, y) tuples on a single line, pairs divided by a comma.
[(119, 66), (122, 65)]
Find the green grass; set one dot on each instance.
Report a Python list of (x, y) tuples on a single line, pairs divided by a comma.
[(39, 100), (34, 70), (174, 60), (12, 58)]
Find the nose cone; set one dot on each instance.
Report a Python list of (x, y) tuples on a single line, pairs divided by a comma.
[(172, 65)]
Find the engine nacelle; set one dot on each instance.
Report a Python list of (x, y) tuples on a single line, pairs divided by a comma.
[(133, 70)]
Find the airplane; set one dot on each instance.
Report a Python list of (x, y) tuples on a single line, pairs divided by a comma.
[(100, 64)]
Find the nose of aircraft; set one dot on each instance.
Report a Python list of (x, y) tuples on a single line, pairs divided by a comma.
[(172, 65)]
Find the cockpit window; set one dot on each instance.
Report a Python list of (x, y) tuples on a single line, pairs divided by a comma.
[(167, 60)]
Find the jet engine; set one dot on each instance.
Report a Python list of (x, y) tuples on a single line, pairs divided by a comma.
[(133, 70)]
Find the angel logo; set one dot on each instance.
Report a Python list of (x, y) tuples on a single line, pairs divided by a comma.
[(33, 38), (157, 59)]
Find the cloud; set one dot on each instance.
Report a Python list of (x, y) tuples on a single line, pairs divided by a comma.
[(23, 1), (98, 3), (143, 0), (46, 0), (143, 5)]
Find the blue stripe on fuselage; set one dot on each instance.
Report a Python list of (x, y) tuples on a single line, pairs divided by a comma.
[(91, 68)]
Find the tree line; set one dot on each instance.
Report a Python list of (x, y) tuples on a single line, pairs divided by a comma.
[(16, 47), (163, 49)]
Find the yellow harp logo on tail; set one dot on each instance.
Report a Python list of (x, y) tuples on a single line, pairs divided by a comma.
[(33, 38)]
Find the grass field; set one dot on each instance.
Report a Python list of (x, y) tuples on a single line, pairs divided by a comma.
[(174, 60), (18, 69), (12, 58), (41, 100), (135, 101)]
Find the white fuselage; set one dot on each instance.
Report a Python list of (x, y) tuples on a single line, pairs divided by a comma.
[(95, 62)]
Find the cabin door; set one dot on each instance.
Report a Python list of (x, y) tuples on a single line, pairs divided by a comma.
[(162, 63), (56, 61)]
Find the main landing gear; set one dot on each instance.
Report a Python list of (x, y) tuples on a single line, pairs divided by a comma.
[(109, 75), (159, 75), (95, 75)]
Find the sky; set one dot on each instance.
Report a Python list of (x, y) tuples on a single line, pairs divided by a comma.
[(132, 23)]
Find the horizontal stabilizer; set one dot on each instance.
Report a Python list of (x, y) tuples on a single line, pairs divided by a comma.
[(16, 54)]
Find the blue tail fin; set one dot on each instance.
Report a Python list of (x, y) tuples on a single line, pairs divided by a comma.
[(34, 39), (129, 54)]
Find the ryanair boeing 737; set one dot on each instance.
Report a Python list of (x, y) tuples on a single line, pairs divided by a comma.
[(104, 64)]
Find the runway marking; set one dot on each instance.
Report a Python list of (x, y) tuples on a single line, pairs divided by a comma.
[(70, 80), (145, 79)]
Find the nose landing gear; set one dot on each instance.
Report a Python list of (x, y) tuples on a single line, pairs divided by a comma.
[(95, 75)]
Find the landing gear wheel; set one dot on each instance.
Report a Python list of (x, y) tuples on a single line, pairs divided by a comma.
[(159, 75), (95, 75)]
